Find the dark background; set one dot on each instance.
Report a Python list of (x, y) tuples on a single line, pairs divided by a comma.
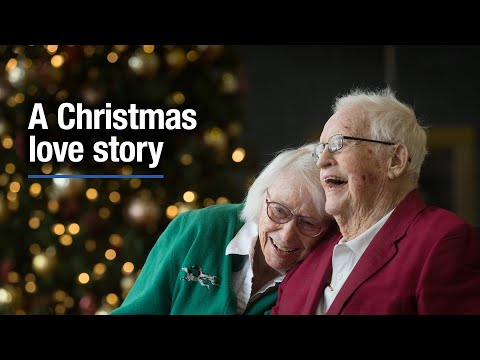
[(292, 88)]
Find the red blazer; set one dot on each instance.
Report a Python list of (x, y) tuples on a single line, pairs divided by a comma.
[(424, 260)]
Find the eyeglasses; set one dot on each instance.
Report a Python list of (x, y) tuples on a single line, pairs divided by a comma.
[(335, 143), (281, 215)]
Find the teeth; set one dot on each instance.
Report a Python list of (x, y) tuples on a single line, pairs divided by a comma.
[(333, 178), (281, 250)]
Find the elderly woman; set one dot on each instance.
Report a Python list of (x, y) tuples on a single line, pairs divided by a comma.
[(395, 254), (229, 259)]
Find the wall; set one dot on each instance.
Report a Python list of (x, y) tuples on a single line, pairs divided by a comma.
[(292, 87)]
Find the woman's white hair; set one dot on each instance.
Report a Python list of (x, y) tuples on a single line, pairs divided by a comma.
[(299, 164), (392, 121)]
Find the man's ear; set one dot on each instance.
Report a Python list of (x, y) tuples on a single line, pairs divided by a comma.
[(398, 161)]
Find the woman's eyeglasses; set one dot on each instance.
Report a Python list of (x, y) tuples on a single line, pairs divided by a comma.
[(281, 215)]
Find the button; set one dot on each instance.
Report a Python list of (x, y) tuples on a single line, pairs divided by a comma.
[(339, 276)]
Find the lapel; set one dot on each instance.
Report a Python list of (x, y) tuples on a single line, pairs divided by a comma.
[(322, 265), (381, 249)]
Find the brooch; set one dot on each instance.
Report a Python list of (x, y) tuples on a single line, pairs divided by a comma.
[(195, 273)]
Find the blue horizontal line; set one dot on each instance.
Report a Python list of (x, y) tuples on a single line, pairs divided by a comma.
[(79, 176)]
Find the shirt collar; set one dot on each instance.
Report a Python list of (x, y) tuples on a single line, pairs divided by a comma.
[(244, 241), (360, 243)]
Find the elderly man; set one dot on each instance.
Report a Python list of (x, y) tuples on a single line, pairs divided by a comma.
[(395, 255)]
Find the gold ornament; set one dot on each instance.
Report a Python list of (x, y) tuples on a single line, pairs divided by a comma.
[(143, 210), (63, 188), (44, 263), (142, 63)]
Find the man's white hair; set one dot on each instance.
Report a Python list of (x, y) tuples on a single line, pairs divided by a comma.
[(391, 121)]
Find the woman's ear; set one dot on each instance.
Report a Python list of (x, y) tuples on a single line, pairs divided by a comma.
[(398, 161)]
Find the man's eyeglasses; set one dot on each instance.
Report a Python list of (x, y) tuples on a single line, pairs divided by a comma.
[(335, 143), (281, 215)]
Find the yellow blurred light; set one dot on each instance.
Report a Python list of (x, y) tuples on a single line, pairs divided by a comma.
[(178, 98), (171, 211), (186, 159), (83, 278), (104, 213), (11, 196), (189, 196), (13, 205), (128, 267), (19, 49), (69, 302), (135, 183), (110, 254), (30, 287), (30, 277), (19, 98), (35, 189), (223, 200), (9, 168), (5, 296), (90, 245), (112, 298), (208, 202), (11, 102), (53, 206), (27, 63), (11, 64), (99, 268), (59, 295), (89, 50), (114, 197), (192, 56), (120, 48), (238, 154), (47, 168), (15, 186), (65, 240), (127, 170), (60, 309), (7, 142), (4, 179), (58, 229), (148, 48), (57, 61), (91, 194), (176, 57), (115, 240), (74, 228), (34, 223), (13, 277), (34, 249), (40, 263), (112, 57), (52, 49)]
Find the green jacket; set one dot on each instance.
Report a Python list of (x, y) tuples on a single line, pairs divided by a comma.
[(194, 239)]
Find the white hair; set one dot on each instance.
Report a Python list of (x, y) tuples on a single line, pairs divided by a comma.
[(298, 162), (392, 121)]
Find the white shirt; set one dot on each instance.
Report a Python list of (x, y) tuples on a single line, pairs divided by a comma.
[(344, 258), (244, 244)]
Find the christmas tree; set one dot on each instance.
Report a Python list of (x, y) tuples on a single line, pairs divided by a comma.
[(76, 245)]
